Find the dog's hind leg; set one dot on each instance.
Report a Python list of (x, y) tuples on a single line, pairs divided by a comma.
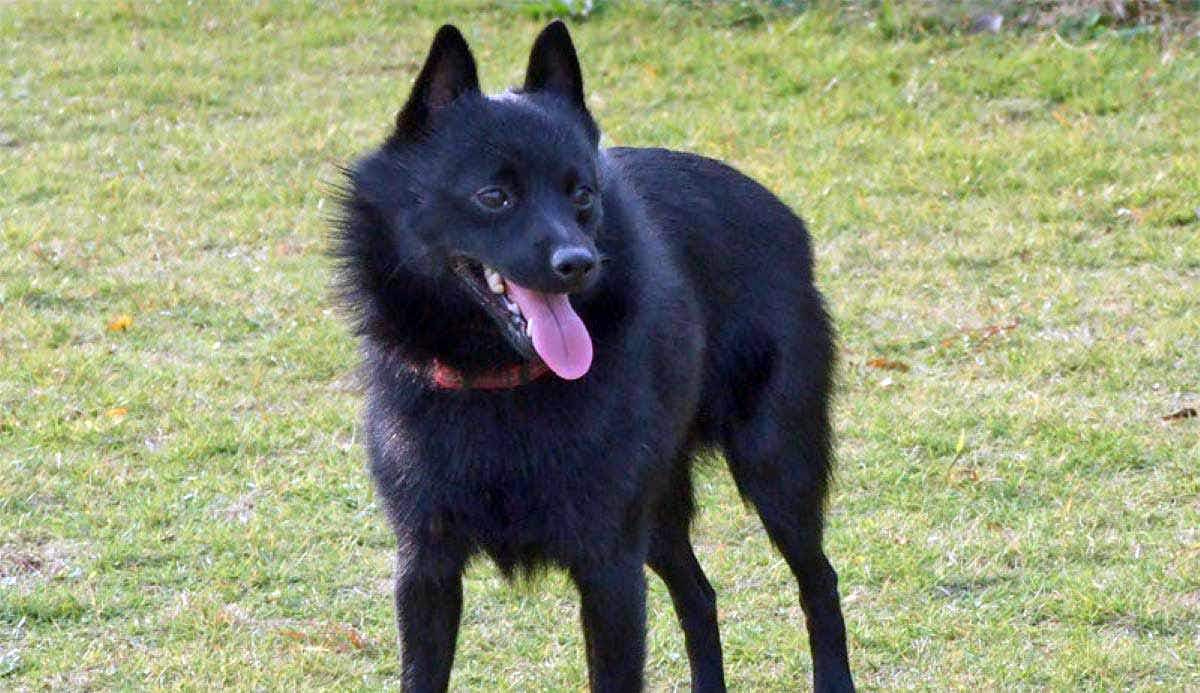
[(672, 558), (780, 464)]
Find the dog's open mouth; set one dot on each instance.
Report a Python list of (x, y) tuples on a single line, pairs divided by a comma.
[(538, 325)]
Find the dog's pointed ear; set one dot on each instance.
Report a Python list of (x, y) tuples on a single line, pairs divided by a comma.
[(554, 67), (553, 64), (449, 72)]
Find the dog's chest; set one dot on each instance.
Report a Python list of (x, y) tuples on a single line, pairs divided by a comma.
[(524, 488)]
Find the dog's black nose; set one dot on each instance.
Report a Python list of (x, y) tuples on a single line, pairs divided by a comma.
[(573, 263)]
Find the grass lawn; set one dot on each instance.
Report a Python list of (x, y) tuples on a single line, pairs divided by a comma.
[(1006, 229)]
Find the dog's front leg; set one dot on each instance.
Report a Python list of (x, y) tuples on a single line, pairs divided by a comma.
[(428, 608), (614, 623)]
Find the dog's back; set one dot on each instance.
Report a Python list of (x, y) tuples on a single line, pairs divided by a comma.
[(748, 259)]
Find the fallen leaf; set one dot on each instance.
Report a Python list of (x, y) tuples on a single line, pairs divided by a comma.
[(993, 330), (120, 323), (888, 364), (1185, 413), (976, 338), (116, 413), (356, 639), (292, 634), (284, 249), (335, 636)]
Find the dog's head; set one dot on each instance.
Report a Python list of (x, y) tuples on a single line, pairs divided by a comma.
[(500, 192)]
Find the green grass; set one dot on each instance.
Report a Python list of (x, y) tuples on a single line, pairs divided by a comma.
[(183, 504)]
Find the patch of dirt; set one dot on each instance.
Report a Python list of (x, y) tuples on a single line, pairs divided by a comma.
[(238, 510), (38, 561)]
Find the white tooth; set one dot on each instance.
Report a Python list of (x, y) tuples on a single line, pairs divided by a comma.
[(494, 281), (528, 332)]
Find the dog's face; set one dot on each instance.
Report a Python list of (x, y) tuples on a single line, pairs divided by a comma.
[(503, 192)]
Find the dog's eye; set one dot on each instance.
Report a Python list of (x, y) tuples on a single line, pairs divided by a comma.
[(582, 196), (493, 198)]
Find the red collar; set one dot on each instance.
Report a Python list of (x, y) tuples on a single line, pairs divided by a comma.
[(448, 378)]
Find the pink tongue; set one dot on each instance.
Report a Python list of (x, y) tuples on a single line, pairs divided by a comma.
[(559, 336)]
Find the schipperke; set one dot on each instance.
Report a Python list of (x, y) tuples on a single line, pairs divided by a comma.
[(551, 333)]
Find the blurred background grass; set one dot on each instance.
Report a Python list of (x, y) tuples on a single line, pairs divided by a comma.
[(1006, 228)]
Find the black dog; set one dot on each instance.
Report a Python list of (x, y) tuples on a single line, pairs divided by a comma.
[(551, 333)]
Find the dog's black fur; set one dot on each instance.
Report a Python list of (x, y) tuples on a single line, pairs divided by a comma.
[(708, 334)]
